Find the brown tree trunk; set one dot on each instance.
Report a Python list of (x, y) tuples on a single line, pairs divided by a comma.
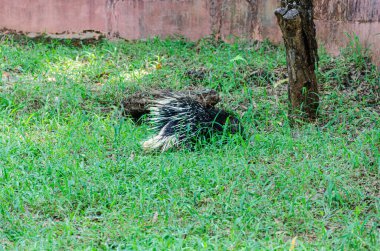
[(295, 19)]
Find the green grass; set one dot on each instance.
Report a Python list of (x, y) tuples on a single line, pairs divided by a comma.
[(73, 174)]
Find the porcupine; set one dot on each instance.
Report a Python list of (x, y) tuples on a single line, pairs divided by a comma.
[(178, 120)]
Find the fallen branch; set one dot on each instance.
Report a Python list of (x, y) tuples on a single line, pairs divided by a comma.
[(138, 104)]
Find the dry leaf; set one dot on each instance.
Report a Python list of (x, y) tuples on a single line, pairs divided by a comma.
[(155, 217), (293, 244), (6, 76), (132, 156), (280, 82)]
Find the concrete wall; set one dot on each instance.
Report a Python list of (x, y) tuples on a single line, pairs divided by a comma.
[(135, 19)]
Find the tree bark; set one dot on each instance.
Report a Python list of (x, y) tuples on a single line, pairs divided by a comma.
[(295, 19), (138, 104)]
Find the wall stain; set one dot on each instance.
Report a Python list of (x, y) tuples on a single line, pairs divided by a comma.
[(112, 19)]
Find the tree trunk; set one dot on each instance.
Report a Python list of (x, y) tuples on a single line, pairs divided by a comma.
[(295, 19)]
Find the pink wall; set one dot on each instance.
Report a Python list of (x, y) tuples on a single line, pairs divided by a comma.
[(135, 19), (53, 16)]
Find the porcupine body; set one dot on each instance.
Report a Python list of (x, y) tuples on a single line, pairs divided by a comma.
[(180, 119)]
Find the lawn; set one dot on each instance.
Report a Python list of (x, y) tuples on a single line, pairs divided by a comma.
[(73, 174)]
